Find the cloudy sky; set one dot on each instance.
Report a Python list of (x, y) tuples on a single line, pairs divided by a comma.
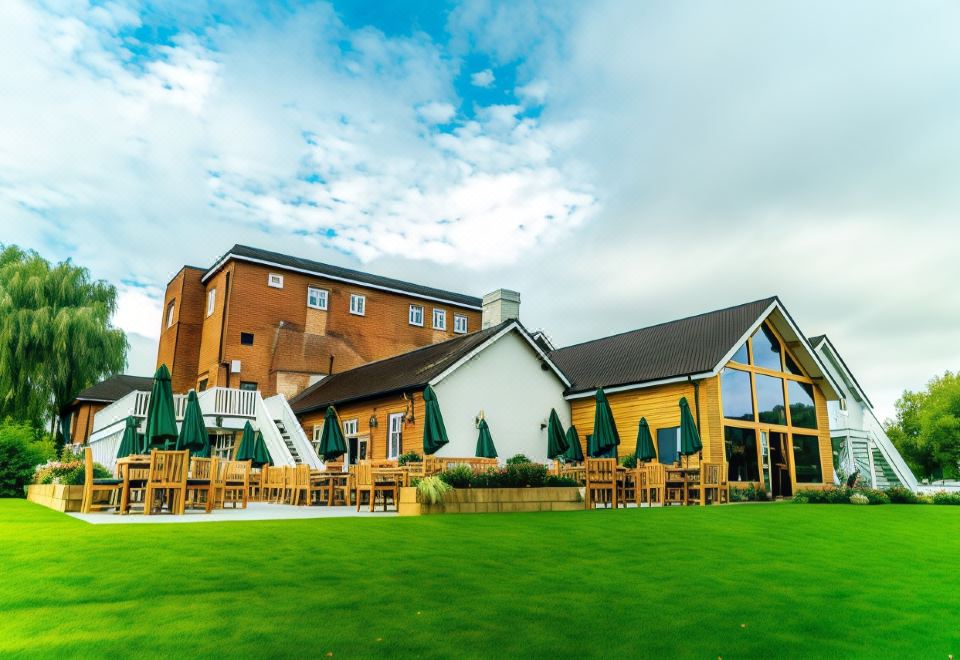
[(619, 163)]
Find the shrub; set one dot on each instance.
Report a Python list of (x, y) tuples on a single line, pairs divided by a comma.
[(859, 498), (69, 473), (901, 495), (752, 493), (521, 475), (554, 480), (874, 496), (629, 461), (431, 490), (518, 459), (946, 498), (21, 450), (459, 476), (517, 475), (409, 457)]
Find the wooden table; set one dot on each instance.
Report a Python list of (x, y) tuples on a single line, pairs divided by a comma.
[(684, 478), (125, 466), (331, 479)]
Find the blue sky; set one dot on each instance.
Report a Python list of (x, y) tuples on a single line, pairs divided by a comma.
[(620, 163)]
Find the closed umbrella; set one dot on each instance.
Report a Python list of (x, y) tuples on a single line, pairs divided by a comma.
[(645, 451), (261, 456), (605, 438), (434, 432), (161, 420), (689, 436), (130, 442), (556, 441), (332, 444), (248, 441), (485, 448), (574, 451), (193, 432)]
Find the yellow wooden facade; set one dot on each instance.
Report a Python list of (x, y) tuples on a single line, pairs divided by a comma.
[(660, 405)]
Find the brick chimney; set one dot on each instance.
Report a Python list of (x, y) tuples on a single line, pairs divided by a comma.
[(499, 306)]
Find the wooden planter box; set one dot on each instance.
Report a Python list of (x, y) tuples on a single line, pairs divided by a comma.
[(56, 497), (494, 500)]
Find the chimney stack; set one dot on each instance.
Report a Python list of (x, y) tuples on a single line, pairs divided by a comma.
[(499, 306)]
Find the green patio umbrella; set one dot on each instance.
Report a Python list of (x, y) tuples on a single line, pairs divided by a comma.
[(332, 444), (161, 420), (556, 441), (603, 443), (574, 451), (645, 451), (130, 442), (248, 443), (485, 448), (434, 432), (689, 436), (193, 432), (261, 456)]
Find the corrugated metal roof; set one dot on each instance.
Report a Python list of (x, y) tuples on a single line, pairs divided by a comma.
[(338, 272), (674, 349)]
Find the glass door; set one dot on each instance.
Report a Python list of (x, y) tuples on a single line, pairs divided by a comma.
[(765, 459)]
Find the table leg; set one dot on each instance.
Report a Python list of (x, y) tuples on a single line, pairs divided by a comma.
[(125, 491)]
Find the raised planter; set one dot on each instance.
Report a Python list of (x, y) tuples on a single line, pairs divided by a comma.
[(493, 500), (56, 497)]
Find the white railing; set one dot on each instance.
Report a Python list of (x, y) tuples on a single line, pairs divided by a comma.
[(229, 402), (105, 448), (136, 404), (271, 434), (279, 409)]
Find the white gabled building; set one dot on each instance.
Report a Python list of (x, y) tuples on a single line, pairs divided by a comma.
[(859, 440)]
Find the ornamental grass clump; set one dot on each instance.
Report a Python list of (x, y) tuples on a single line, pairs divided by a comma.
[(431, 490), (859, 498)]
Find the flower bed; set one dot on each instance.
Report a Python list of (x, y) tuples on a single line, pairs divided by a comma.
[(58, 497)]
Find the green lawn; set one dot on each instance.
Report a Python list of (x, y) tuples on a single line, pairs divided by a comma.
[(736, 581)]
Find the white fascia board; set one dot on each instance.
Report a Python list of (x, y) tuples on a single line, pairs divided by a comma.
[(640, 386), (264, 262), (844, 371), (510, 328)]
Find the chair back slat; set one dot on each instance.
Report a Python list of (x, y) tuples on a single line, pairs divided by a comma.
[(363, 475), (168, 467), (200, 467)]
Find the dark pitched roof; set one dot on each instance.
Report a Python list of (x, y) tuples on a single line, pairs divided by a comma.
[(338, 272), (678, 348), (403, 372), (114, 388)]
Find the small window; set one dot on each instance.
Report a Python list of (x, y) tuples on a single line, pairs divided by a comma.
[(843, 404), (439, 319), (248, 385), (350, 427), (317, 434), (416, 315), (395, 435), (170, 313), (275, 280), (358, 304), (246, 338), (668, 445), (459, 324), (202, 385), (317, 298), (211, 301)]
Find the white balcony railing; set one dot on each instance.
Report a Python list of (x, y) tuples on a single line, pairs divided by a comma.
[(229, 402)]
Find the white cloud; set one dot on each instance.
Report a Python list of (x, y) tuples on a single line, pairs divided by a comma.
[(138, 310), (483, 78), (437, 113)]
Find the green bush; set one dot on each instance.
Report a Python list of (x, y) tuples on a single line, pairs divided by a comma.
[(946, 498), (459, 476), (518, 459), (409, 457), (874, 496), (22, 449), (516, 475), (554, 480), (629, 461), (752, 493), (521, 475), (70, 473), (901, 495)]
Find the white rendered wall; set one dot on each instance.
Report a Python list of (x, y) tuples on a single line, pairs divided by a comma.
[(507, 382)]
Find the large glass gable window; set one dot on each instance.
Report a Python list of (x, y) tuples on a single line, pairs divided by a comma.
[(740, 446), (770, 404), (806, 459), (766, 349), (741, 355), (803, 412), (737, 396)]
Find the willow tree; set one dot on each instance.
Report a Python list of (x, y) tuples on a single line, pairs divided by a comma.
[(55, 335)]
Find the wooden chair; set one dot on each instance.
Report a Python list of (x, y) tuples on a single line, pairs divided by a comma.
[(415, 470), (235, 484), (627, 480), (601, 482), (201, 481), (168, 477), (346, 491), (654, 478), (91, 487), (256, 484), (713, 483), (368, 482), (298, 486), (274, 483)]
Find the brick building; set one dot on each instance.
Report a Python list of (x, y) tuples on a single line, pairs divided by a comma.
[(263, 320)]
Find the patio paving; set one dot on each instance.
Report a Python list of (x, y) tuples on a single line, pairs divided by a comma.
[(254, 511)]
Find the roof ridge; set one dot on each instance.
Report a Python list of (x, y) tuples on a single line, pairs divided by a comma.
[(662, 323)]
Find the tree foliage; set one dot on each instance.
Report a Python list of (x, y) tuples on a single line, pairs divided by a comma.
[(55, 334), (926, 430), (21, 449)]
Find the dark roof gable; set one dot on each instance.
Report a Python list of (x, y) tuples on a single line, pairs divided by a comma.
[(245, 252), (688, 346), (114, 388)]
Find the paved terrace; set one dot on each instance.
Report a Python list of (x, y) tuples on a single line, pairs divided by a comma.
[(254, 511)]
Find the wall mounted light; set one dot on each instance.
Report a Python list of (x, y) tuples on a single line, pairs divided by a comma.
[(373, 420), (478, 419)]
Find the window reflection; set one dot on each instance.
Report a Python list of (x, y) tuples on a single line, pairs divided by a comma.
[(766, 349), (668, 445), (741, 355), (806, 459), (737, 397), (770, 404), (803, 412), (740, 446)]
